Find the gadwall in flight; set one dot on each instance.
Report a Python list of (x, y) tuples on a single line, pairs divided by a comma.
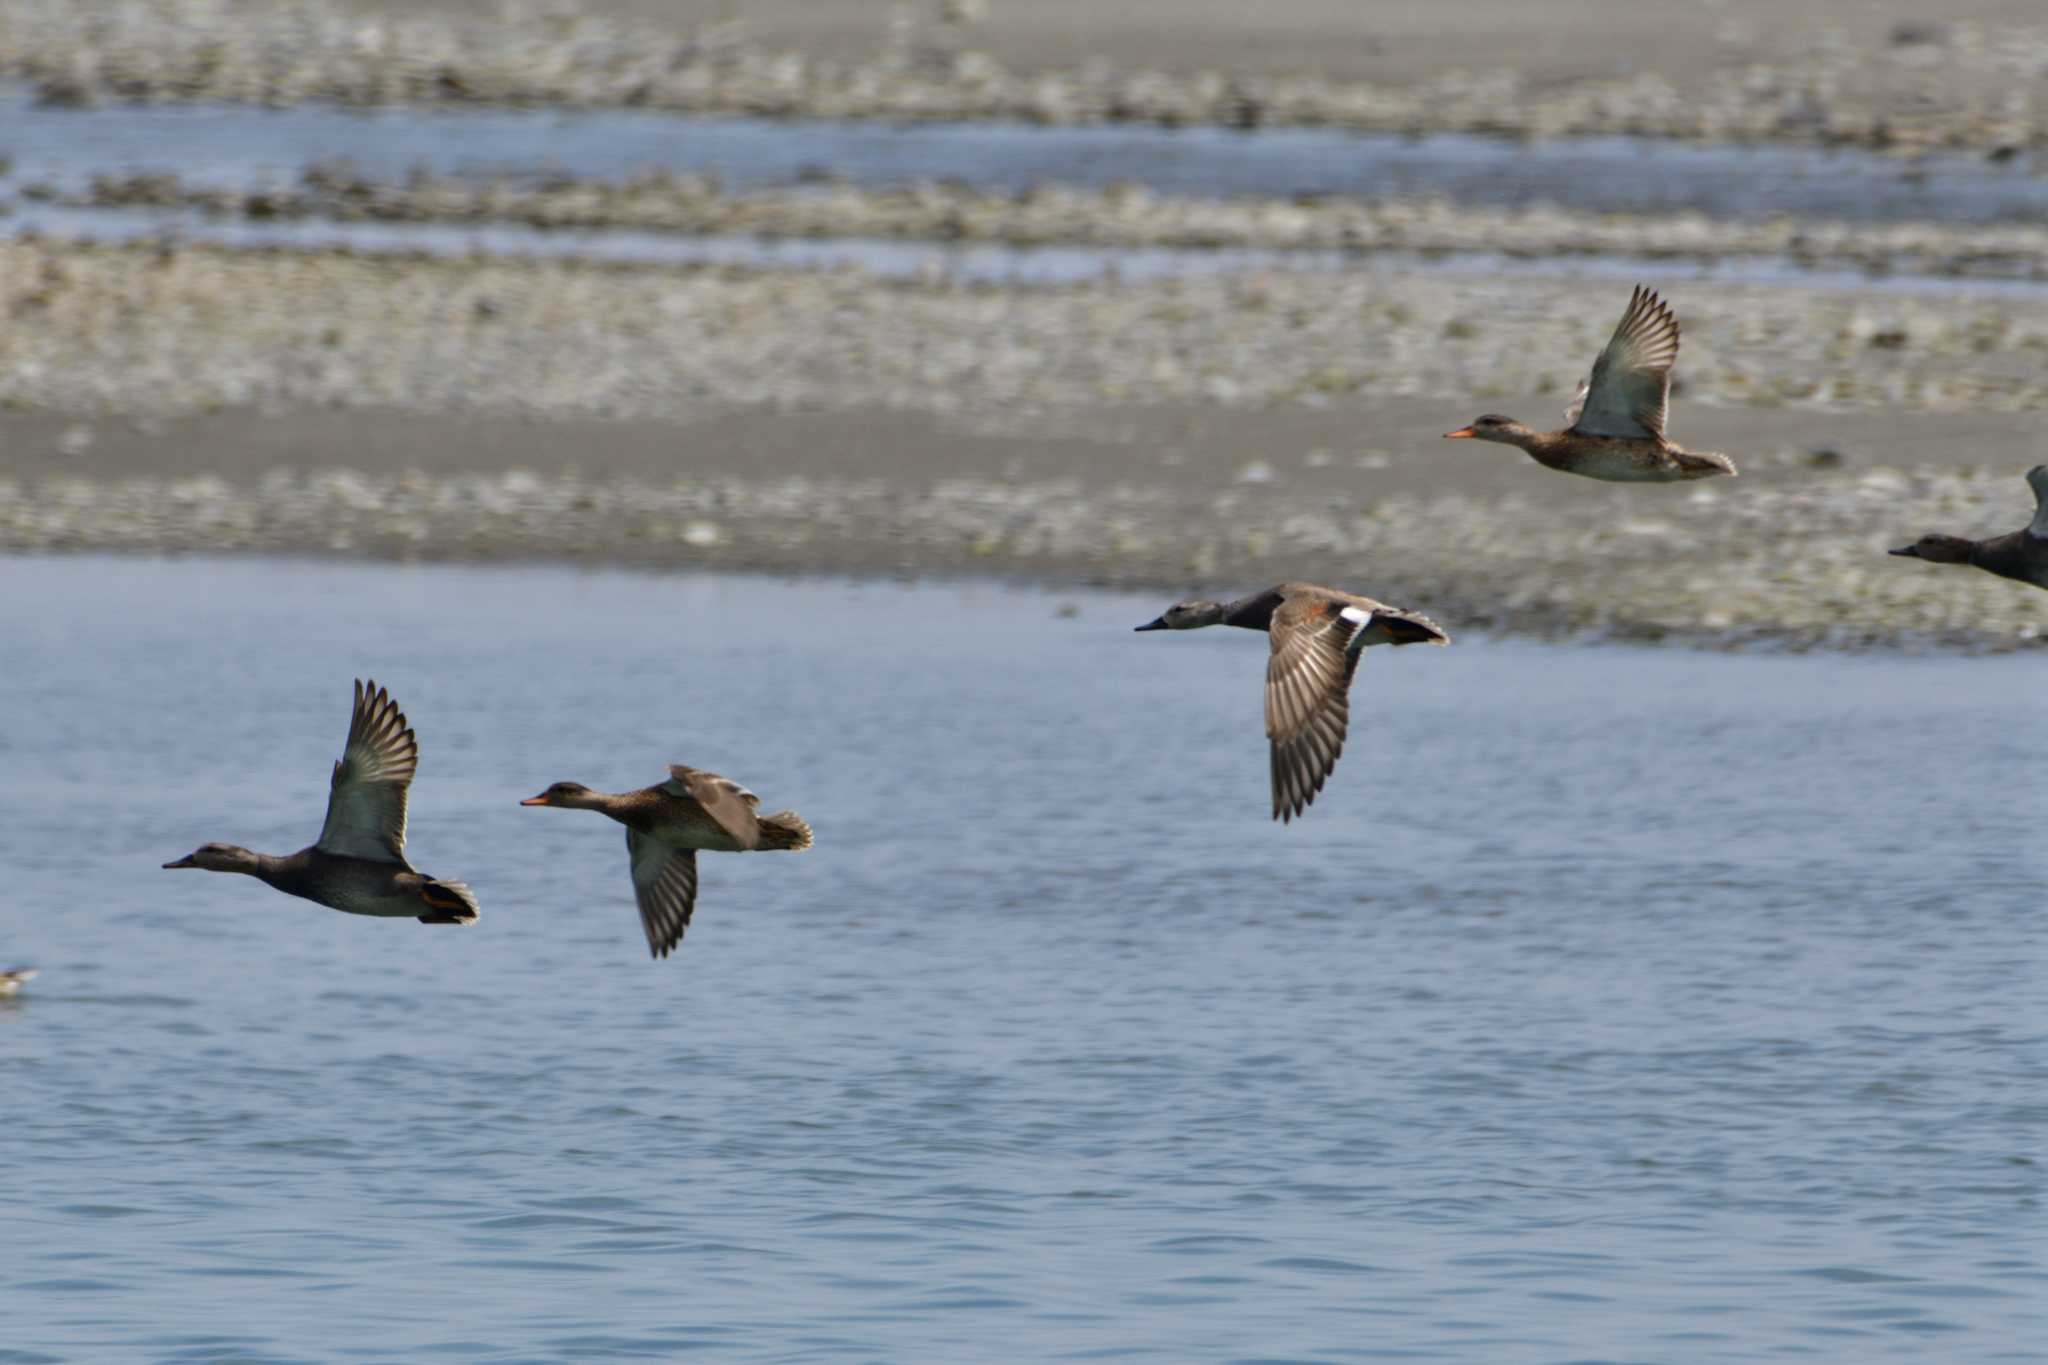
[(1317, 634), (2022, 554), (1617, 417), (359, 863), (667, 824), (12, 981)]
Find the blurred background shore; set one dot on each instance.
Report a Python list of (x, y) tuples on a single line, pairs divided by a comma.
[(1157, 297)]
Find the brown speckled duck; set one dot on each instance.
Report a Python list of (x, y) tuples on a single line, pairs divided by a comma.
[(359, 864), (1617, 418), (666, 825), (1317, 634), (2021, 554), (15, 978)]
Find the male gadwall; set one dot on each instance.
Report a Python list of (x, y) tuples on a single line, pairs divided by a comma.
[(359, 864), (1617, 417), (12, 981), (665, 827), (2022, 554), (1317, 634)]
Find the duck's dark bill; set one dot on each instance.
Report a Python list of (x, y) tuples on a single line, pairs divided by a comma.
[(185, 861), (1461, 434), (1159, 624), (1909, 551)]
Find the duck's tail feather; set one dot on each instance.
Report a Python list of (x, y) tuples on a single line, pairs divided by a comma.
[(1703, 464), (785, 830), (449, 903)]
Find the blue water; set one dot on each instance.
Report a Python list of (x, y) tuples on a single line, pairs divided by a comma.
[(236, 146), (1610, 1004)]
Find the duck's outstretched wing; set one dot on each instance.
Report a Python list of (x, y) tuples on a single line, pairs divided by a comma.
[(1308, 695), (723, 799), (1630, 391), (2037, 479), (366, 799), (665, 884)]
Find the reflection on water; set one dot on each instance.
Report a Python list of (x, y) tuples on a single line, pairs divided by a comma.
[(1609, 1002)]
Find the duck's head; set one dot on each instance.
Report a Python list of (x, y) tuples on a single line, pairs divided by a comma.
[(218, 858), (1491, 427), (1940, 549), (572, 795), (1188, 615)]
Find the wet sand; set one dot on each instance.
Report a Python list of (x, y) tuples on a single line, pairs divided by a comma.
[(1167, 497)]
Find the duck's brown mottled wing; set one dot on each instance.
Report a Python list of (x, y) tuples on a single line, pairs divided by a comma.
[(1629, 393), (367, 795), (724, 800), (665, 884), (1308, 702)]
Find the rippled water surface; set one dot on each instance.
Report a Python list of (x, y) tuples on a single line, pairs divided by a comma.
[(1611, 1004), (238, 146)]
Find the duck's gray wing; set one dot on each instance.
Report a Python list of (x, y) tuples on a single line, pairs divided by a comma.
[(665, 884), (1630, 391), (366, 798), (2037, 479), (723, 799), (1308, 695)]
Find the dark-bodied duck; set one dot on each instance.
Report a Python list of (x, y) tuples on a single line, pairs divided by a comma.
[(666, 825), (2022, 554), (359, 863), (15, 978), (1317, 634), (1617, 417)]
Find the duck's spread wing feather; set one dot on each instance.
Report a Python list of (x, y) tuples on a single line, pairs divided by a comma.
[(367, 796), (1308, 696), (1629, 393), (723, 799), (665, 884)]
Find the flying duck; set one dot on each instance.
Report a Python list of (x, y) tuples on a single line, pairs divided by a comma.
[(667, 824), (359, 864), (2021, 554), (1317, 634), (1617, 417)]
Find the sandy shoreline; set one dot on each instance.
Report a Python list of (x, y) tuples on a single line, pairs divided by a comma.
[(1879, 75), (1165, 499)]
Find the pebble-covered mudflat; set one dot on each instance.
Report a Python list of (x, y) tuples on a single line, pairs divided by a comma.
[(1723, 566), (1912, 84), (149, 333), (168, 328)]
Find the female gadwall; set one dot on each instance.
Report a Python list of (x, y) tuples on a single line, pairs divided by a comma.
[(359, 863), (1317, 634), (12, 981), (1617, 417), (2023, 554), (667, 824)]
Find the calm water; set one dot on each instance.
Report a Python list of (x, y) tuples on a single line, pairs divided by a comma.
[(240, 146), (1610, 1005)]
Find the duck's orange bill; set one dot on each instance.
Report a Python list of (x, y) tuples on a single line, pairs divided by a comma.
[(1462, 433), (541, 800)]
